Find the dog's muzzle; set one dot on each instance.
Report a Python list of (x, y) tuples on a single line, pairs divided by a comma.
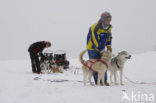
[(128, 57)]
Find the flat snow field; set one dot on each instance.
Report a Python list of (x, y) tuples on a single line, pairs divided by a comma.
[(17, 84)]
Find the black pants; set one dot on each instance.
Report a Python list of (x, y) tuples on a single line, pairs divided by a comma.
[(35, 62)]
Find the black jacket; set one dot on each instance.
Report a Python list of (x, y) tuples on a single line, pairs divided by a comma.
[(37, 47)]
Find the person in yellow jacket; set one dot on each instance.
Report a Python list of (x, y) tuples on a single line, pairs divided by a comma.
[(98, 38)]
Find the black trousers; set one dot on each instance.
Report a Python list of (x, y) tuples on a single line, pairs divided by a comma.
[(35, 62)]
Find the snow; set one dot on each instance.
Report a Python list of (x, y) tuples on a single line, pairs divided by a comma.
[(17, 84)]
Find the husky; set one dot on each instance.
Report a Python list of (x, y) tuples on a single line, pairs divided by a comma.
[(117, 64), (98, 66), (46, 66), (57, 69)]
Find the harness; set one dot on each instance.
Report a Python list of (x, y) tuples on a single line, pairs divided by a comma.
[(116, 62), (92, 62)]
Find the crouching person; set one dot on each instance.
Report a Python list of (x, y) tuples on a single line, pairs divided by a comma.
[(35, 50), (98, 38)]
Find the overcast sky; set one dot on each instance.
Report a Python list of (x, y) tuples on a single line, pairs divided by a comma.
[(65, 23)]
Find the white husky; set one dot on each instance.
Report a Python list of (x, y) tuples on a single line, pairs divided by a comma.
[(117, 64), (97, 66)]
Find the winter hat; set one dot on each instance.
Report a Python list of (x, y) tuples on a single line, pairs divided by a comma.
[(105, 15)]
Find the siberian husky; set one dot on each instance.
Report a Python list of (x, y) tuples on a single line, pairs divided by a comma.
[(97, 66), (117, 64)]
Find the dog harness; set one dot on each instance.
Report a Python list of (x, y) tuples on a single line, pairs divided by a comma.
[(117, 65), (116, 61), (92, 62)]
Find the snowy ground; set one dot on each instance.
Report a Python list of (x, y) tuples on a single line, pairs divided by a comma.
[(17, 84)]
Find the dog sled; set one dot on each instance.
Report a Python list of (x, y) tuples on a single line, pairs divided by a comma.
[(54, 62)]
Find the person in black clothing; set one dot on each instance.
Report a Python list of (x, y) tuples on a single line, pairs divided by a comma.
[(35, 51)]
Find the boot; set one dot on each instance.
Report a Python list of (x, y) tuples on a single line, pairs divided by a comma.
[(38, 72)]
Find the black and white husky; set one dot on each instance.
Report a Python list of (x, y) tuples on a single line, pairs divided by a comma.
[(45, 66)]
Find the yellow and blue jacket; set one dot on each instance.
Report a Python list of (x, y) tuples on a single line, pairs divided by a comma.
[(98, 37)]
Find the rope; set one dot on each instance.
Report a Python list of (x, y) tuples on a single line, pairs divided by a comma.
[(57, 80), (137, 82)]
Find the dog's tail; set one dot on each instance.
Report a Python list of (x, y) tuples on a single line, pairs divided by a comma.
[(81, 55)]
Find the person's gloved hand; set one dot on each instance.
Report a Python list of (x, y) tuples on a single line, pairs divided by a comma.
[(102, 51), (43, 58), (109, 48)]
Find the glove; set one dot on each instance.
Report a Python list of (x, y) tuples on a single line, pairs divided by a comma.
[(102, 51), (43, 58), (109, 48), (41, 54)]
